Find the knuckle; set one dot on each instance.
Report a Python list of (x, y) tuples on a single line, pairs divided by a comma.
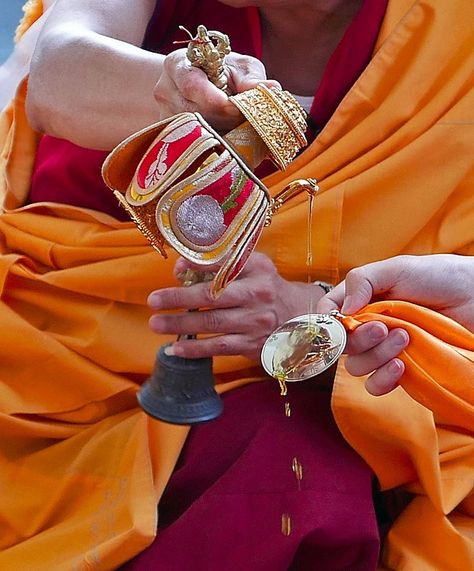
[(187, 86), (222, 345), (259, 262), (159, 97), (208, 299), (171, 298), (248, 65), (264, 294), (174, 59), (354, 274), (212, 321), (169, 64), (188, 349), (266, 321), (264, 261), (360, 340), (188, 106)]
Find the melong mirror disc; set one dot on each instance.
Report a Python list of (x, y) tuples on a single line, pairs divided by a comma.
[(304, 347)]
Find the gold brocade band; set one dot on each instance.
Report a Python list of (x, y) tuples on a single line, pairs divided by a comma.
[(278, 119)]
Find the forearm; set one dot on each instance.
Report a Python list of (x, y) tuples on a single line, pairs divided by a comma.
[(91, 89)]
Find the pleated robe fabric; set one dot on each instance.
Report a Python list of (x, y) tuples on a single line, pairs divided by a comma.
[(82, 468)]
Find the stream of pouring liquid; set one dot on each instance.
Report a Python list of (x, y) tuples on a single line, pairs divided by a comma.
[(296, 465)]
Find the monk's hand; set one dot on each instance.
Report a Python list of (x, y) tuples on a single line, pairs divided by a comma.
[(183, 87), (240, 320), (442, 282)]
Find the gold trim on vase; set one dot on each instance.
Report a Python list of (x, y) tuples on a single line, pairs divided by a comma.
[(278, 119)]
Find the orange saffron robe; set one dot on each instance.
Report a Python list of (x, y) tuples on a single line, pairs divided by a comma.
[(82, 468)]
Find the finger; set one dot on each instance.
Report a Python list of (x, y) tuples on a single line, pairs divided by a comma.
[(195, 296), (213, 346), (237, 294), (170, 100), (222, 115), (214, 321), (272, 83), (193, 322), (182, 265), (257, 262), (385, 378), (192, 86), (391, 347), (365, 337), (190, 80), (245, 72)]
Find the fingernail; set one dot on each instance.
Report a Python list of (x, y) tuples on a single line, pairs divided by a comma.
[(273, 83), (377, 332), (154, 300), (154, 323), (169, 350), (347, 305), (401, 338), (395, 367)]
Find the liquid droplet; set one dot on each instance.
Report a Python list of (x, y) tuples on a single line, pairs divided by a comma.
[(297, 468), (282, 382), (286, 524), (287, 409)]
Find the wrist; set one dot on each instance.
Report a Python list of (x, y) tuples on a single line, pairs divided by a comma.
[(302, 298)]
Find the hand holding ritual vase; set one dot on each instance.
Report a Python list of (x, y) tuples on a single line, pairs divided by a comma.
[(188, 187)]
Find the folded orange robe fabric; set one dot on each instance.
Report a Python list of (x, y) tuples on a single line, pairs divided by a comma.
[(84, 467), (439, 359), (425, 445)]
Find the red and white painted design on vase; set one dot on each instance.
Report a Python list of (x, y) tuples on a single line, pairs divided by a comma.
[(166, 152)]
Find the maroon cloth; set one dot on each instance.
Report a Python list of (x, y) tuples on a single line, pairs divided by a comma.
[(348, 61), (223, 505), (67, 173)]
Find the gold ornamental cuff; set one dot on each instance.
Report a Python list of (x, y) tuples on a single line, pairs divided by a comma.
[(278, 119)]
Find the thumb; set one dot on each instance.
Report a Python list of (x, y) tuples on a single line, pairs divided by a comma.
[(358, 291), (363, 283), (332, 300)]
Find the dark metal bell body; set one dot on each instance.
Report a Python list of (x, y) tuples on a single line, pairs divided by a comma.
[(180, 391)]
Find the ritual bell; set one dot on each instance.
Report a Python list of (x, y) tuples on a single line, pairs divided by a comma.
[(180, 391)]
